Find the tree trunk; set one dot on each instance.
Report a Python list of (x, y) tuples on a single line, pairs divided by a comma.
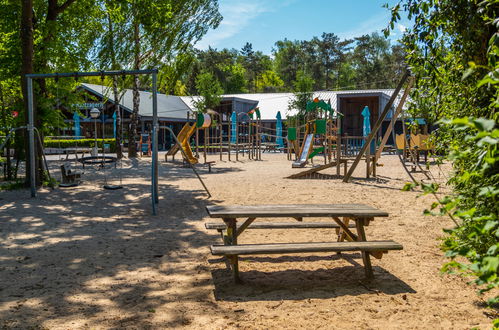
[(7, 170), (119, 152), (134, 120), (117, 111)]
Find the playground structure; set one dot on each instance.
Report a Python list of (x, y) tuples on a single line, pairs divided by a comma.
[(320, 135), (240, 135), (323, 125)]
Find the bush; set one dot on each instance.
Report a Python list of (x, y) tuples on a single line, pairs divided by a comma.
[(86, 143)]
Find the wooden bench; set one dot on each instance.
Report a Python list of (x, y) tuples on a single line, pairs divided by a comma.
[(209, 165), (354, 216), (285, 248), (221, 226)]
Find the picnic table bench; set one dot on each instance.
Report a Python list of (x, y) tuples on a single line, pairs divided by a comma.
[(360, 214)]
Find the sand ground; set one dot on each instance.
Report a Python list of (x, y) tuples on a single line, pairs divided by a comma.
[(88, 258)]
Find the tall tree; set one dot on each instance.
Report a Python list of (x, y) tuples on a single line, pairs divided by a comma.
[(56, 48), (210, 92), (159, 30), (303, 92)]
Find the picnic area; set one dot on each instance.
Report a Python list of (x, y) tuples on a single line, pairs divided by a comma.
[(105, 263)]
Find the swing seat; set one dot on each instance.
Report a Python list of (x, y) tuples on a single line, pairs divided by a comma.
[(69, 176), (68, 185), (112, 187)]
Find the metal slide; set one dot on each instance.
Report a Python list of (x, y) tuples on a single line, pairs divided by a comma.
[(307, 147)]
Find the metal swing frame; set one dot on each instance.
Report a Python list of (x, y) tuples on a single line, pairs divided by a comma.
[(31, 126)]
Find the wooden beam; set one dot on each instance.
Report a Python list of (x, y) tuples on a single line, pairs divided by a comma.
[(345, 229), (244, 226), (376, 127), (283, 248), (394, 117)]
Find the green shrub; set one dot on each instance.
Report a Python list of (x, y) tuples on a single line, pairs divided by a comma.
[(88, 143)]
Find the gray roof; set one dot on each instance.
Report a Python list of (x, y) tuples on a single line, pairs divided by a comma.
[(169, 106), (271, 103), (177, 107)]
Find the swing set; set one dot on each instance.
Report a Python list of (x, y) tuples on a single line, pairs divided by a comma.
[(32, 129)]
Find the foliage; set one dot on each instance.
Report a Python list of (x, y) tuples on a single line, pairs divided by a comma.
[(84, 143), (210, 92), (269, 81), (453, 52), (303, 93)]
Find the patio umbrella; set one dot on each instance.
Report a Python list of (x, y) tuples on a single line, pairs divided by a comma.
[(114, 124), (278, 127), (233, 130), (366, 127), (76, 119)]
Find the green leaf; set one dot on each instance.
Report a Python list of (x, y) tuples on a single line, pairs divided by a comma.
[(484, 124)]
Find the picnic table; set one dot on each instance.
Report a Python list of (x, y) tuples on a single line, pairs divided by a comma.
[(344, 217), (77, 150), (269, 146)]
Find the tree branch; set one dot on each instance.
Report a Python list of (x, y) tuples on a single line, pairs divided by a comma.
[(64, 6)]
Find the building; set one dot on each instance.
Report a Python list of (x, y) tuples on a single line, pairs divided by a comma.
[(175, 111)]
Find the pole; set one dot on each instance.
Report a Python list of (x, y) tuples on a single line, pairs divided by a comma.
[(31, 136), (155, 126)]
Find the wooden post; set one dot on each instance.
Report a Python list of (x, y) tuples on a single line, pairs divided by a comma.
[(197, 142), (361, 237), (338, 145), (376, 127), (368, 162), (221, 136), (230, 136), (232, 240), (237, 141), (205, 143)]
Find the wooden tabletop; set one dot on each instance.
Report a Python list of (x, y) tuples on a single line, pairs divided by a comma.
[(294, 210)]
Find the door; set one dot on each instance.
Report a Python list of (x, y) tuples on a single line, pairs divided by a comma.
[(351, 108)]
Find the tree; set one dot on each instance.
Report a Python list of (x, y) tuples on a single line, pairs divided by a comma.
[(453, 52), (368, 58), (156, 32), (254, 63), (235, 81), (56, 48), (287, 61), (269, 81), (303, 93), (209, 90)]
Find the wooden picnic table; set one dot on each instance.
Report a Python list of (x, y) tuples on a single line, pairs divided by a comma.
[(76, 150), (341, 214)]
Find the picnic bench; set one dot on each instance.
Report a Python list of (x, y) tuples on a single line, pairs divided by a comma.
[(75, 151), (344, 217)]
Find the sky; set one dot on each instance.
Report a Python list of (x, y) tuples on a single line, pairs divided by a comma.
[(263, 22)]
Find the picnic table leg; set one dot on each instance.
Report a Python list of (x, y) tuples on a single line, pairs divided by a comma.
[(231, 239), (365, 255), (341, 232)]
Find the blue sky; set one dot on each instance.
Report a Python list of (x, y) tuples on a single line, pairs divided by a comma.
[(263, 22)]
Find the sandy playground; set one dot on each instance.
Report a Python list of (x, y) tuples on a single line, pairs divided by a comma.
[(87, 258)]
